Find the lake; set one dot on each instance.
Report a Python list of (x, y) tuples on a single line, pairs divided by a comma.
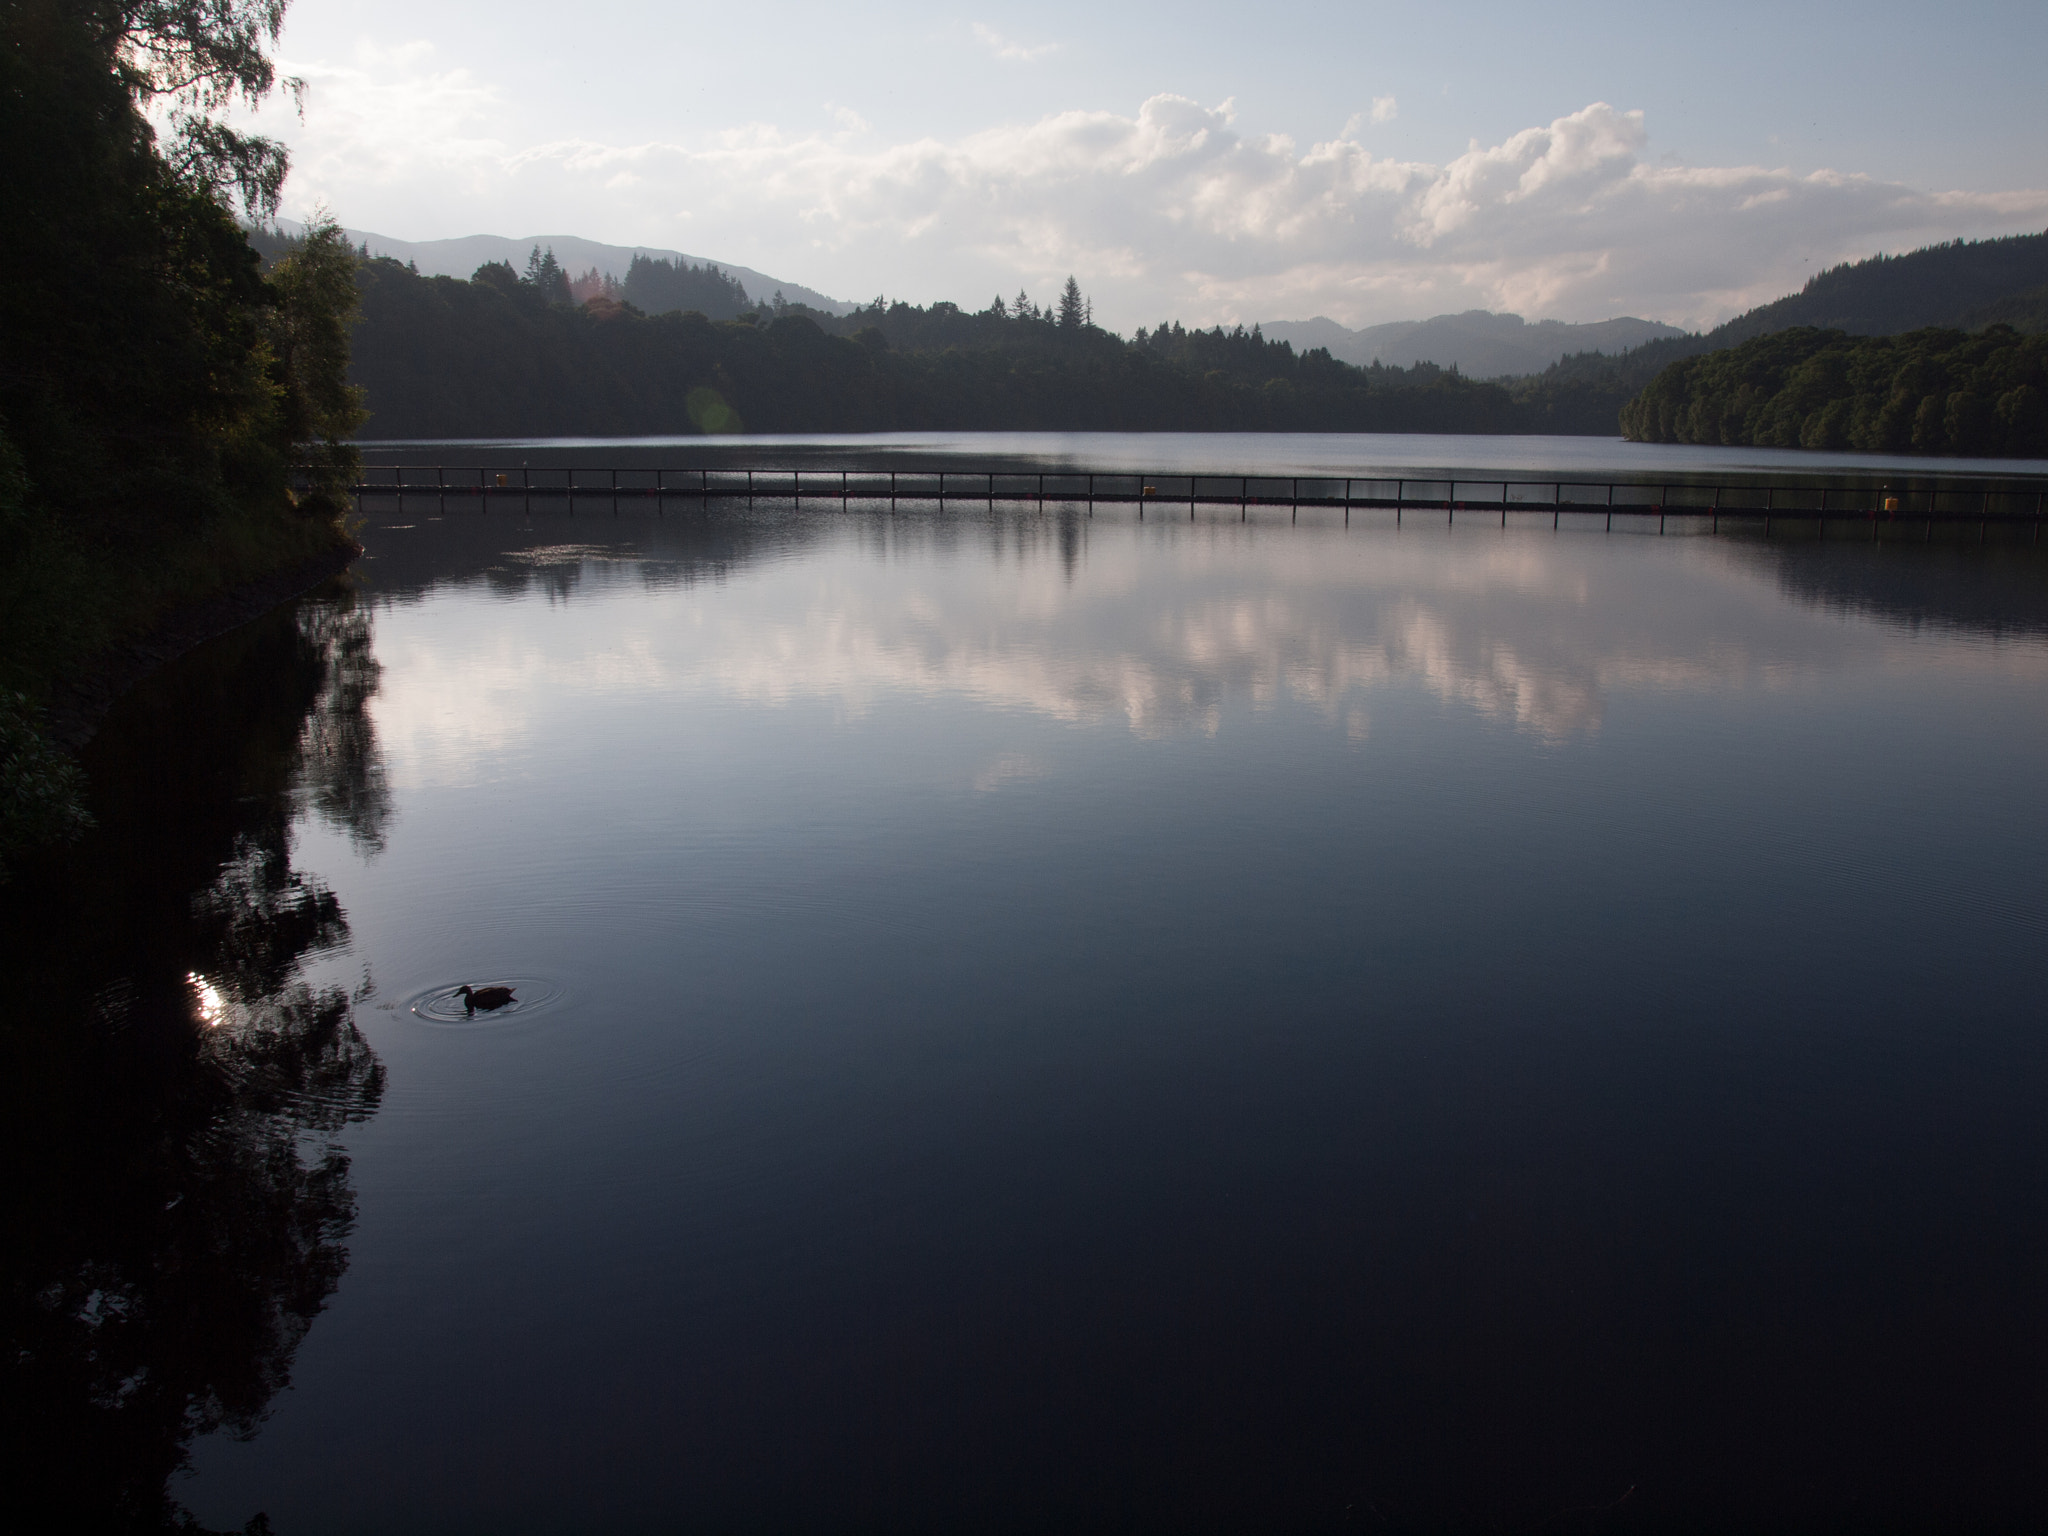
[(1478, 457), (1026, 1020)]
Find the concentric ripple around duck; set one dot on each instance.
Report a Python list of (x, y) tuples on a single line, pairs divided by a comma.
[(444, 1005)]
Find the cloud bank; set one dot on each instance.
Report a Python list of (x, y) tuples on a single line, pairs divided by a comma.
[(1174, 210)]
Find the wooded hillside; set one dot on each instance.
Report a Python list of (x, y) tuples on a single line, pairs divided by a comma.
[(1929, 391), (494, 357)]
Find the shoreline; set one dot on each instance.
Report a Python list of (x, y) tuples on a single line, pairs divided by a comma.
[(80, 703)]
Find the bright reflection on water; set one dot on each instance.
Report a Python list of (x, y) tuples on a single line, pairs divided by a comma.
[(1060, 1022)]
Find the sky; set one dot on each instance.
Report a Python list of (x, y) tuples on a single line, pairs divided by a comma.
[(1196, 161)]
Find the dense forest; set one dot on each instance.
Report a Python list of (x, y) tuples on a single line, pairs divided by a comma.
[(677, 348), (1963, 285), (507, 354), (148, 425), (1929, 391)]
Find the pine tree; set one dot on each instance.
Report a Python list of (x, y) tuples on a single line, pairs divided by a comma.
[(1072, 313), (545, 275)]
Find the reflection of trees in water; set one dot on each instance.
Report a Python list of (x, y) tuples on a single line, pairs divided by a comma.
[(1985, 590), (340, 771), (178, 1199), (553, 555)]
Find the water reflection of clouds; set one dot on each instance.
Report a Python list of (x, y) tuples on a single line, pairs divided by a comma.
[(1156, 630)]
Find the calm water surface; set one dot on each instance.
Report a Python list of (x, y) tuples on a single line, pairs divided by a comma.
[(1475, 456), (1034, 1022)]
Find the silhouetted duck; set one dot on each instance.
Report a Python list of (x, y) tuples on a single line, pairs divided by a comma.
[(486, 998)]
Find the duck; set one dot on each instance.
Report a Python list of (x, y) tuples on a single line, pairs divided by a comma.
[(485, 998)]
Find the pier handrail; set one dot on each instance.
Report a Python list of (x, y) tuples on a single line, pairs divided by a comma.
[(1982, 501)]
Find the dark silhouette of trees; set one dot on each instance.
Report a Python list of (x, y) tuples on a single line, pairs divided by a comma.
[(154, 383), (192, 58), (178, 1202), (658, 286), (544, 275), (1929, 391), (1072, 310), (441, 357)]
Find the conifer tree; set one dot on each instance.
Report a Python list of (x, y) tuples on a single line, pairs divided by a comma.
[(545, 276), (1072, 313)]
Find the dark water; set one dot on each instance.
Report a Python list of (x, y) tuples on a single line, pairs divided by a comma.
[(1030, 1022)]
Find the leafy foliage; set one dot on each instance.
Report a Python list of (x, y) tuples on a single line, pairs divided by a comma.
[(152, 415), (41, 788), (1928, 391), (314, 289), (201, 56)]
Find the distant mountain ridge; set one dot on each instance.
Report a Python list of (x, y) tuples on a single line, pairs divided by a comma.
[(1887, 295), (1477, 342), (1964, 285), (460, 257)]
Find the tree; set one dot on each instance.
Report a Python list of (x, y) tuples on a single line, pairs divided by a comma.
[(545, 276), (199, 56), (1073, 309), (154, 387), (316, 303)]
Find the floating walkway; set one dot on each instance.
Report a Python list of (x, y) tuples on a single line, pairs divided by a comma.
[(1954, 502)]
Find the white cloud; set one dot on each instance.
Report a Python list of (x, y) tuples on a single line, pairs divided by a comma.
[(1003, 48), (1172, 211), (1385, 109), (1156, 633)]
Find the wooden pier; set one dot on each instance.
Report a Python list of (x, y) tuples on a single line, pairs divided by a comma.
[(1983, 503)]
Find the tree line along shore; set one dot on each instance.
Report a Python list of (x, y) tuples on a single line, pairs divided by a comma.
[(675, 348), (155, 420), (183, 428)]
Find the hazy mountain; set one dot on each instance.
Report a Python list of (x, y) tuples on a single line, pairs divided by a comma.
[(1478, 343), (460, 257)]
